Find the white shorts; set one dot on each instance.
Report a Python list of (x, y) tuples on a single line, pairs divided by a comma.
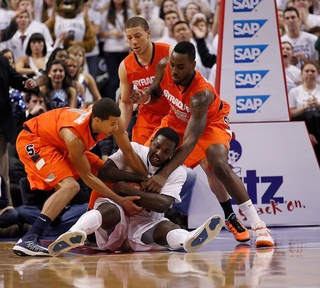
[(127, 234)]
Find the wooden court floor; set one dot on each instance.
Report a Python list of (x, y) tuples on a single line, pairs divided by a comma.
[(294, 262)]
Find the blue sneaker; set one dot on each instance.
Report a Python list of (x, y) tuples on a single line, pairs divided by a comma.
[(30, 247), (204, 234), (66, 242)]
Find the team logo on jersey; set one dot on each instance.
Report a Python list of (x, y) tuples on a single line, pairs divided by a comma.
[(249, 79), (250, 104), (245, 5), (247, 28), (247, 53)]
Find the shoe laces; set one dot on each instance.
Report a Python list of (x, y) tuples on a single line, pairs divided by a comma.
[(234, 224), (34, 247)]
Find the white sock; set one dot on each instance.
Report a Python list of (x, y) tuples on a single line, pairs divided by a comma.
[(176, 238), (251, 213), (88, 222)]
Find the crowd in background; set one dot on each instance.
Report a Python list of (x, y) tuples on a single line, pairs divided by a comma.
[(72, 70)]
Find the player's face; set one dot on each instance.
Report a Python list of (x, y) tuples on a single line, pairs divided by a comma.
[(107, 127), (181, 68), (161, 150), (138, 39)]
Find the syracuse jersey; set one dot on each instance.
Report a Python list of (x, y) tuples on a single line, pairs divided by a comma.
[(149, 116)]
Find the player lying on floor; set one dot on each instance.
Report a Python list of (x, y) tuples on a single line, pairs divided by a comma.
[(149, 229)]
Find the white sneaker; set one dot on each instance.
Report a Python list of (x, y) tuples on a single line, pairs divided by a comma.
[(263, 236), (66, 242), (204, 234)]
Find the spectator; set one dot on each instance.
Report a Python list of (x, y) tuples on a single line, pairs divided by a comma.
[(156, 24), (308, 20), (170, 5), (58, 89), (115, 47), (304, 103), (303, 42), (33, 63), (170, 18), (89, 83), (292, 72), (9, 78)]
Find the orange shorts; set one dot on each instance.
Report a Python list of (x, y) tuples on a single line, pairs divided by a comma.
[(217, 132), (145, 125), (45, 165)]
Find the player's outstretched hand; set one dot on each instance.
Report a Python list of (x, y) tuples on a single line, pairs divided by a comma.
[(129, 207), (139, 96)]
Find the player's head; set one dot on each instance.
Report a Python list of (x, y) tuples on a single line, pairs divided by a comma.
[(182, 63), (105, 116), (138, 34), (163, 146)]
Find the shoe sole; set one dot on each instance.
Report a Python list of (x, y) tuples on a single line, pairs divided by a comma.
[(264, 243), (66, 242), (21, 251), (204, 234)]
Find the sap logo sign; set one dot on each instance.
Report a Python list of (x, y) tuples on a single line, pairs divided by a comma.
[(249, 79), (247, 28), (250, 104), (245, 5), (247, 53)]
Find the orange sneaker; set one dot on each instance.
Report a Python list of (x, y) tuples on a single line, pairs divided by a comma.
[(240, 232)]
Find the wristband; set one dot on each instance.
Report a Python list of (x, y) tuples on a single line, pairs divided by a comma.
[(148, 101)]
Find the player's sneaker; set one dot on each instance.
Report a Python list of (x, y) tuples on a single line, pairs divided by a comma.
[(263, 235), (30, 247), (66, 242), (204, 234), (240, 232)]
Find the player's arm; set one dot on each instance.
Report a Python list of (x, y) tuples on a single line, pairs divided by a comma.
[(151, 94), (199, 109), (132, 158), (126, 89), (76, 150), (109, 172), (152, 201)]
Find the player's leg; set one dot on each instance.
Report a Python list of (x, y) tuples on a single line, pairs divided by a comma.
[(28, 244), (232, 223), (106, 216), (217, 155), (168, 233)]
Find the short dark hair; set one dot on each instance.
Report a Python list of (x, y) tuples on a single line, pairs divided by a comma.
[(185, 47), (104, 108), (36, 37), (29, 95), (137, 21), (179, 22), (170, 134), (289, 9)]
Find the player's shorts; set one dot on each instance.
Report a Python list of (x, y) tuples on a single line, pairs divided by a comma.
[(45, 165), (128, 232), (216, 132)]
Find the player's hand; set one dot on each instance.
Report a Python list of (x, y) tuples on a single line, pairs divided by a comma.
[(139, 96), (129, 207), (154, 184)]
